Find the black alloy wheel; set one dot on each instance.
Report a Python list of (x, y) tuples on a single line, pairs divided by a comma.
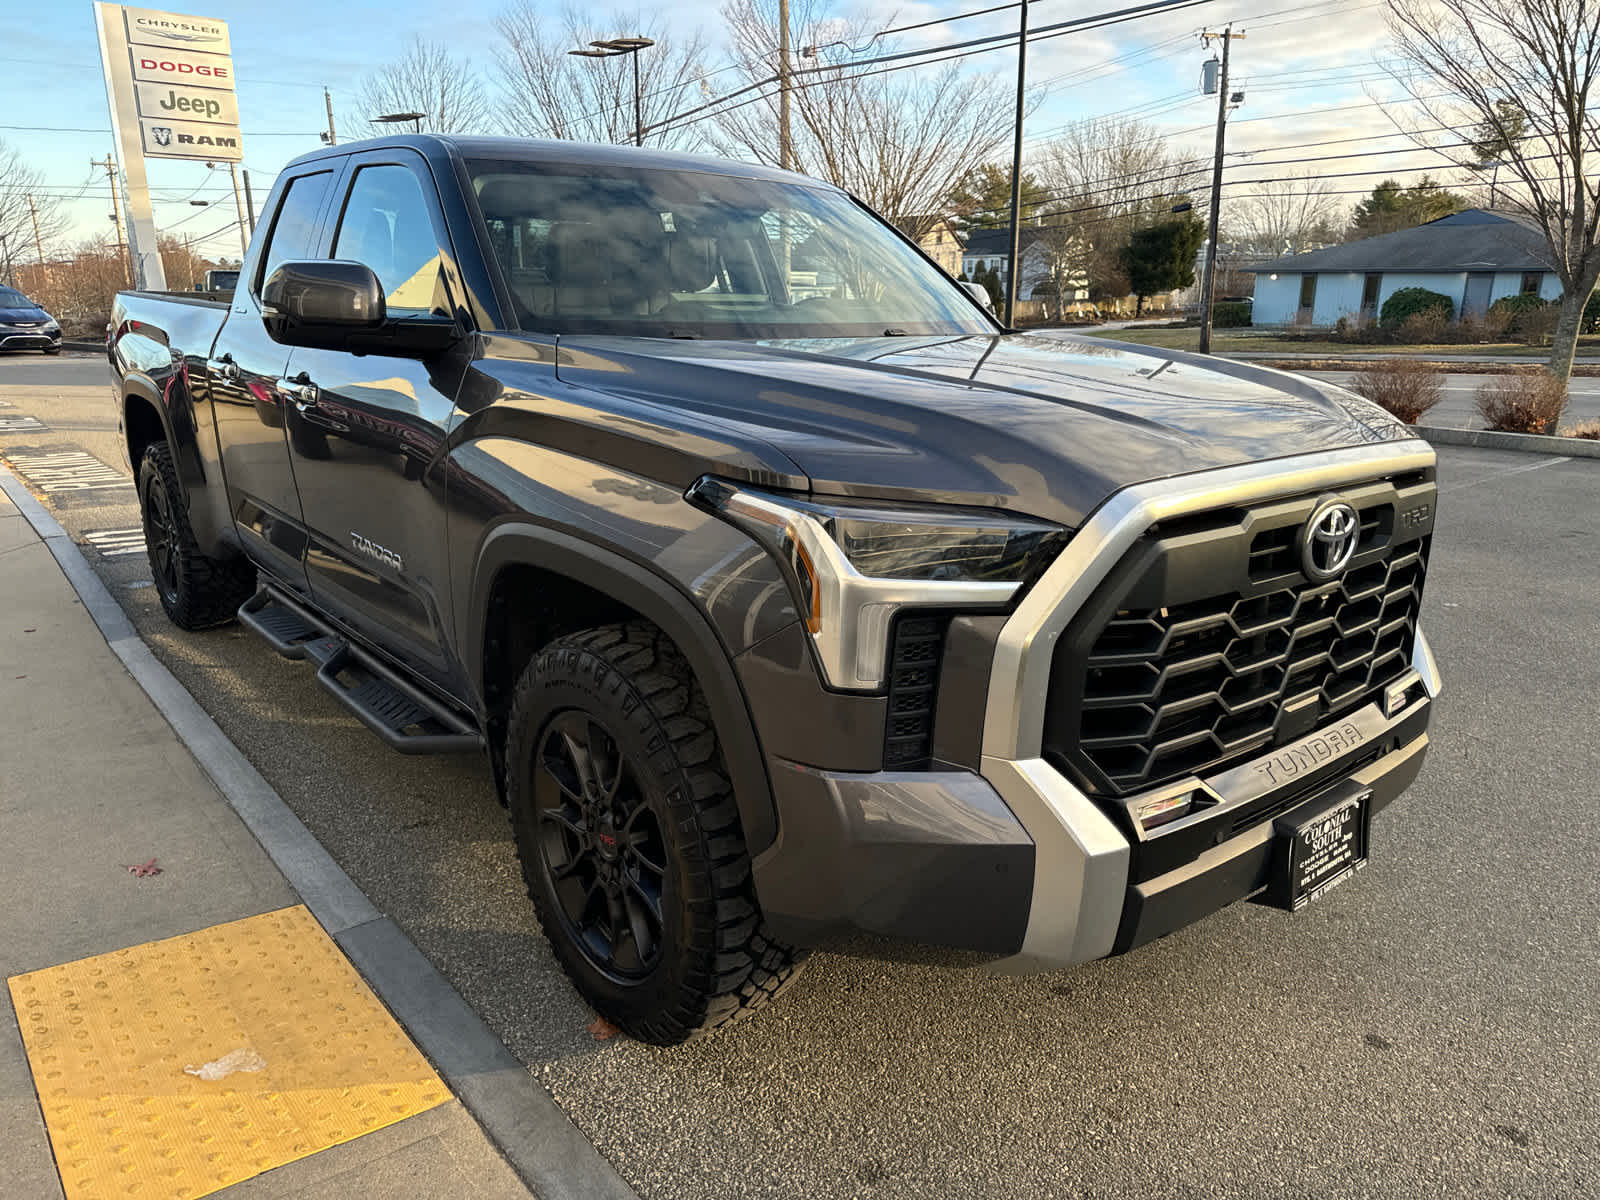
[(161, 538), (600, 846), (629, 837), (196, 591)]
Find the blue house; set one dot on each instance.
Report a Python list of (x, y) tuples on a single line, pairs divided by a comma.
[(1475, 257)]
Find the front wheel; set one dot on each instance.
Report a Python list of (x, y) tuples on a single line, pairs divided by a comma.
[(630, 839), (196, 591)]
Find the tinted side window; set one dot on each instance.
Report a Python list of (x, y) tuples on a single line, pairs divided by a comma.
[(294, 231), (386, 225)]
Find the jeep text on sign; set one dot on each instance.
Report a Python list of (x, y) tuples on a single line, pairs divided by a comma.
[(190, 139), (166, 103), (147, 27), (153, 64)]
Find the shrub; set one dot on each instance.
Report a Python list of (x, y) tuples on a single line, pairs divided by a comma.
[(1402, 387), (1410, 301), (1584, 429), (1427, 327), (1523, 403), (1514, 310), (1591, 315), (1538, 326), (1230, 314)]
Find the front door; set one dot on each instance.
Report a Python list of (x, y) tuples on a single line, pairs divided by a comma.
[(1475, 302), (367, 431), (242, 381), (1308, 299)]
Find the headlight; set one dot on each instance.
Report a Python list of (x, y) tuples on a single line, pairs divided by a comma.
[(854, 566)]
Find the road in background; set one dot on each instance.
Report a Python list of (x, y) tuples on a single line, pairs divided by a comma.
[(1422, 1032), (1457, 411)]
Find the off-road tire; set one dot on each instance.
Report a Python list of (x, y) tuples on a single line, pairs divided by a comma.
[(196, 591), (716, 961)]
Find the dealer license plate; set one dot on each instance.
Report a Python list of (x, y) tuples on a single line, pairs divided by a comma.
[(1315, 851)]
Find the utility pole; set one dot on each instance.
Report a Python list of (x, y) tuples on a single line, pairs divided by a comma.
[(1013, 271), (5, 246), (332, 136), (785, 148), (116, 215), (238, 203), (249, 203), (38, 242), (1208, 286)]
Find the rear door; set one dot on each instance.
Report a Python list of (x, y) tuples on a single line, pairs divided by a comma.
[(242, 378), (366, 431)]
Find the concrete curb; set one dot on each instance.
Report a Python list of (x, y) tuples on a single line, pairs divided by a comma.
[(522, 1120), (1527, 443), (91, 347)]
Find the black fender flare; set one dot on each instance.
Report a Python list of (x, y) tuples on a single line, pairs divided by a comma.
[(659, 599), (180, 432)]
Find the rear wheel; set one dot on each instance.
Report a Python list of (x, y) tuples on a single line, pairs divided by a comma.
[(630, 839), (196, 591)]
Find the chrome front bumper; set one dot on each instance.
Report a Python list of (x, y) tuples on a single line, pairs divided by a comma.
[(1081, 874)]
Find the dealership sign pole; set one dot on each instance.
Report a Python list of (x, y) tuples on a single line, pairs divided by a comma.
[(169, 80)]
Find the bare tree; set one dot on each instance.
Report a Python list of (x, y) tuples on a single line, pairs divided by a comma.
[(1515, 77), (899, 140), (19, 182), (429, 80), (545, 92), (1115, 176), (1286, 217)]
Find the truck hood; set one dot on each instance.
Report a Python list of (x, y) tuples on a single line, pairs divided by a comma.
[(1049, 425)]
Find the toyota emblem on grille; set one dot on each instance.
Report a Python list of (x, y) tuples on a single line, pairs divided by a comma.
[(1328, 542)]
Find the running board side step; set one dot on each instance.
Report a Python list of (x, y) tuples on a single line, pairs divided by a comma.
[(404, 716)]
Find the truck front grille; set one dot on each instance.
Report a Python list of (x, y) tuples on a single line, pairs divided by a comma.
[(1149, 687)]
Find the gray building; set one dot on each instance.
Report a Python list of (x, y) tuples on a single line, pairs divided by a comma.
[(1475, 257)]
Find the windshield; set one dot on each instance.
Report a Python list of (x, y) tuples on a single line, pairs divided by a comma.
[(11, 298), (684, 253)]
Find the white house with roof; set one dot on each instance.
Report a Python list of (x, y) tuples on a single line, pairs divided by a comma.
[(1475, 257)]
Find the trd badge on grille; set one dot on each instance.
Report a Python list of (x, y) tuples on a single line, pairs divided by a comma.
[(1328, 541)]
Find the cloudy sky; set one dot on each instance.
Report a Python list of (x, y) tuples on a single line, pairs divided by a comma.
[(1312, 73)]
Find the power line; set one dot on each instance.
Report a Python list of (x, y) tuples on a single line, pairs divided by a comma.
[(947, 53)]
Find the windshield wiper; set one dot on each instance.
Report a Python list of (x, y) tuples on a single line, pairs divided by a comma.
[(895, 333)]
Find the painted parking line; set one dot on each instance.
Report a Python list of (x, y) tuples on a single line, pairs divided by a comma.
[(116, 543), (21, 424), (182, 1066), (56, 471)]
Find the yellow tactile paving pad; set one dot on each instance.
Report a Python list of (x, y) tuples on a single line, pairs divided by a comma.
[(179, 1067)]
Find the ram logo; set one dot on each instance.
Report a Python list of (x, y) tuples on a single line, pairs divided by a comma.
[(162, 134), (370, 548)]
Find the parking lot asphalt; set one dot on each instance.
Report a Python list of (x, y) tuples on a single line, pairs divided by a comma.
[(1425, 1031)]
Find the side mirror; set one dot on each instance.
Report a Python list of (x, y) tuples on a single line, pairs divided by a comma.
[(321, 303), (337, 305), (979, 293)]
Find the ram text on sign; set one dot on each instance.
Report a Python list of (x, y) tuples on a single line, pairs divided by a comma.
[(148, 27), (151, 65), (187, 104), (190, 139)]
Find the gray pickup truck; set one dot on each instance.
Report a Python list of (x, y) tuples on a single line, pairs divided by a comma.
[(785, 617)]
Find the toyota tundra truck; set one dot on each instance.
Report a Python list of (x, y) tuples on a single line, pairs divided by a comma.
[(792, 600)]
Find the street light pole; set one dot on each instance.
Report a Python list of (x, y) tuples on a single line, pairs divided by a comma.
[(611, 48)]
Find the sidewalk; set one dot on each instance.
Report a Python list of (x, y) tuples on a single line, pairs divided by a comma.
[(93, 780)]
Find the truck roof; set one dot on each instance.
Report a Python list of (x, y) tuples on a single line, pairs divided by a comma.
[(555, 150)]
